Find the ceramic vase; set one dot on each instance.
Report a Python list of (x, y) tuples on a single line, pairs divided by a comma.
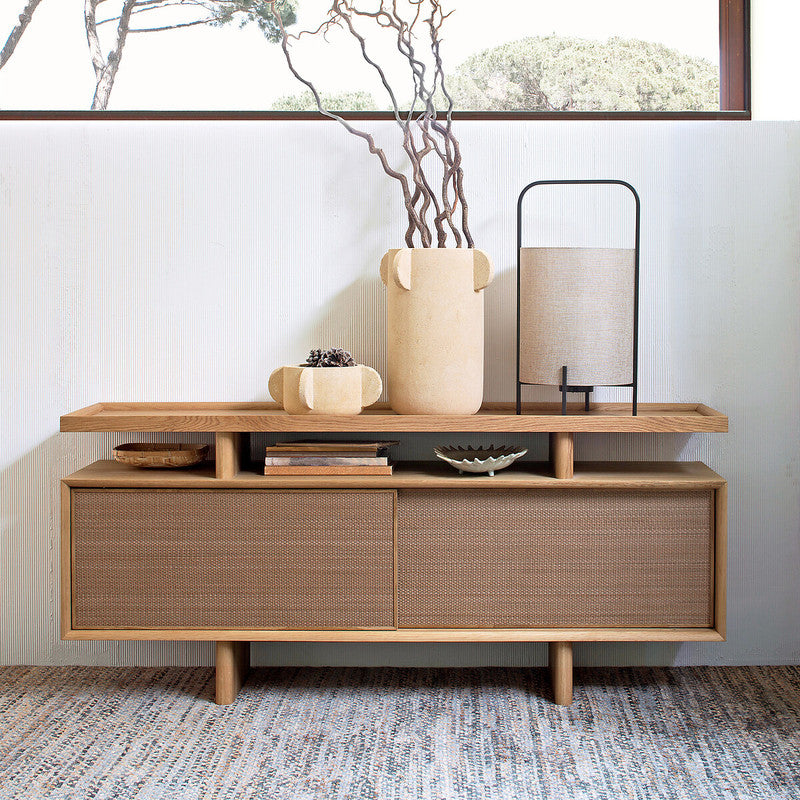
[(434, 358), (325, 390)]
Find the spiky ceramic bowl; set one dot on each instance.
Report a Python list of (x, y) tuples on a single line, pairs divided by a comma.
[(479, 459)]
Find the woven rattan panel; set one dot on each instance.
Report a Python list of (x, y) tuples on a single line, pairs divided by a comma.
[(553, 558), (232, 559)]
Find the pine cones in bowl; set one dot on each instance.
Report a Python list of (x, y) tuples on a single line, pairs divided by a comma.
[(335, 357), (311, 388)]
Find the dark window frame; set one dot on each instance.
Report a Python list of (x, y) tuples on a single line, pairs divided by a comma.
[(735, 102)]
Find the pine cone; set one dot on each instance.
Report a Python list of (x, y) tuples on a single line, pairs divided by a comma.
[(335, 357), (314, 357)]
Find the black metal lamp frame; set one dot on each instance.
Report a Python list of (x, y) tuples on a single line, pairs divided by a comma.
[(565, 387)]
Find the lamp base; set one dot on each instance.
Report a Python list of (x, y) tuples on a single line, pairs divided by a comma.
[(565, 389)]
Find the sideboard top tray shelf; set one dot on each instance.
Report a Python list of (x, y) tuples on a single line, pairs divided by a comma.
[(493, 417)]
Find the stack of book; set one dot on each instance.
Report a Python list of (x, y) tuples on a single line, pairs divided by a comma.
[(328, 458)]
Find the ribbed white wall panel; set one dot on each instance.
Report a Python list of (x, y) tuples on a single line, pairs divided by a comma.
[(185, 261)]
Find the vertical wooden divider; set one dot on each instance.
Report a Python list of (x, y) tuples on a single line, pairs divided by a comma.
[(229, 454), (562, 454), (395, 610), (66, 558), (720, 557)]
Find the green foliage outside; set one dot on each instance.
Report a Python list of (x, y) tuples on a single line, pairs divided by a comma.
[(559, 73), (340, 101), (246, 11)]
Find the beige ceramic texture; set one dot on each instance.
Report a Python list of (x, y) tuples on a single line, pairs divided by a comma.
[(576, 309), (434, 358), (325, 390)]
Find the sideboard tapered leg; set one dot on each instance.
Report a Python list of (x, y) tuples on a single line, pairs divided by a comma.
[(561, 671), (232, 666)]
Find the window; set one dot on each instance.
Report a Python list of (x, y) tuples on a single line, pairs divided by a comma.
[(512, 60)]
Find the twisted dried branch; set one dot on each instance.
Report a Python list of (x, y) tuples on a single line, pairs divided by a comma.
[(451, 160), (373, 148), (423, 134), (423, 190)]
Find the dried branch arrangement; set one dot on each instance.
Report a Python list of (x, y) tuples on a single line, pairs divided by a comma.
[(428, 140)]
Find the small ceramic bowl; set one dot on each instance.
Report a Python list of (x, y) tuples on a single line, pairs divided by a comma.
[(325, 390), (480, 459)]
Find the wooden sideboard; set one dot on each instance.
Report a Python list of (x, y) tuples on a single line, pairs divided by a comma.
[(556, 552)]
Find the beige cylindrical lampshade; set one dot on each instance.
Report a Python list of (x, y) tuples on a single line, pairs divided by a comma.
[(576, 309)]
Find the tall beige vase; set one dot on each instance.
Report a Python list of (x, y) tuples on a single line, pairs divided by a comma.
[(435, 329)]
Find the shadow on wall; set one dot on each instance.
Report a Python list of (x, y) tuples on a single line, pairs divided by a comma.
[(355, 320), (458, 654), (30, 561), (500, 332), (28, 530), (632, 446), (31, 519)]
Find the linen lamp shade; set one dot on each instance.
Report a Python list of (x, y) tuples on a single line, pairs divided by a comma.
[(576, 310)]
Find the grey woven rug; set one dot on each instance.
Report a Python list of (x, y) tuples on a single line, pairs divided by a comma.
[(301, 733)]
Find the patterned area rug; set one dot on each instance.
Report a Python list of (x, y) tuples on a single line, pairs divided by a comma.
[(314, 734)]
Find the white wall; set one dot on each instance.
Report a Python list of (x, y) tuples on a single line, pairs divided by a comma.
[(168, 261), (775, 58)]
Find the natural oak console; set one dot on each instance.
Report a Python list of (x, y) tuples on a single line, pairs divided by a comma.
[(559, 552)]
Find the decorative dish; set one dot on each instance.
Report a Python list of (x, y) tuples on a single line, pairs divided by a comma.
[(479, 459)]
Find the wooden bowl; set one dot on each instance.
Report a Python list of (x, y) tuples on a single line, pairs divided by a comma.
[(160, 455)]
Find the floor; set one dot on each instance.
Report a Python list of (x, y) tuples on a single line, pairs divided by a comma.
[(309, 733)]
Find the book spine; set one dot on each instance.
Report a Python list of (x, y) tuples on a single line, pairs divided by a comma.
[(365, 448), (325, 454), (328, 470), (326, 461)]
